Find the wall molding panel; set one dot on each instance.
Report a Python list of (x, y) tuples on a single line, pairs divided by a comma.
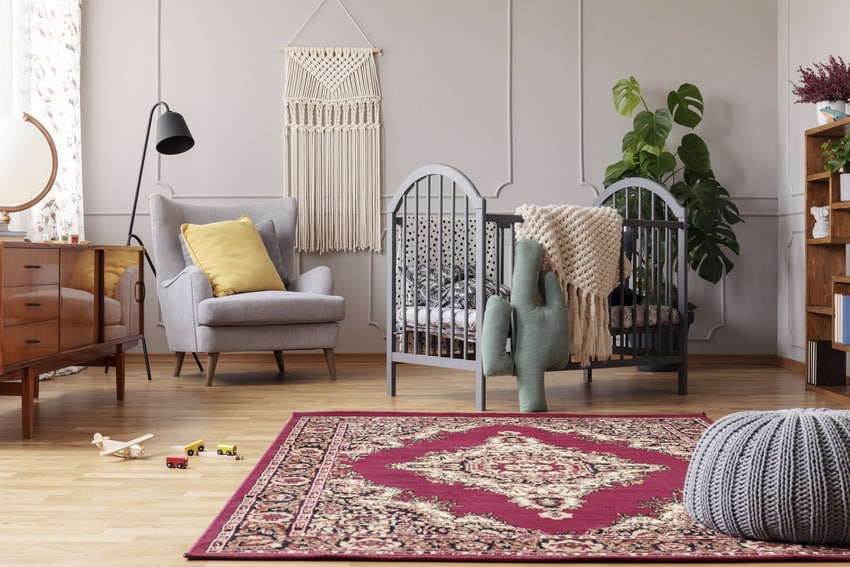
[(514, 93)]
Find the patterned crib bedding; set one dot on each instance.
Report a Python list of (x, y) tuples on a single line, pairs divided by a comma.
[(446, 286), (636, 316), (443, 319), (439, 298), (440, 320)]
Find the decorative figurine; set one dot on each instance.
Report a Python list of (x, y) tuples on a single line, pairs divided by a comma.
[(821, 228)]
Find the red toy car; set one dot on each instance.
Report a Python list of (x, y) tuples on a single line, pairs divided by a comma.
[(176, 462)]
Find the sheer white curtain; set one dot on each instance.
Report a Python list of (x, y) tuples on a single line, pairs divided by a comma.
[(46, 84)]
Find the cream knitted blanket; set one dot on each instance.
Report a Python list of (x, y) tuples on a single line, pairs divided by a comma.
[(581, 245)]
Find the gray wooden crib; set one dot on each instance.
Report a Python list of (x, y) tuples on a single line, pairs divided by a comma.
[(446, 255)]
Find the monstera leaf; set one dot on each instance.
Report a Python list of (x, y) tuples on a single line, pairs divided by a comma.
[(694, 153), (711, 215), (685, 103), (627, 96), (652, 128), (656, 166)]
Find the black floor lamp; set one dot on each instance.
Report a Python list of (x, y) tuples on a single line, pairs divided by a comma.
[(172, 137)]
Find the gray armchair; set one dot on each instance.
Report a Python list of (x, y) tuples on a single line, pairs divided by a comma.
[(305, 316)]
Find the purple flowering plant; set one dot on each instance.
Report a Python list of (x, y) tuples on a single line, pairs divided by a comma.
[(823, 81)]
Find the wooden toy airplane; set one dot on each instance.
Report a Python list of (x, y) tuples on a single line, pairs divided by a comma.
[(131, 449)]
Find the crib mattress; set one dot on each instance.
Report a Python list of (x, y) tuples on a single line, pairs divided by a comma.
[(643, 316), (444, 320), (441, 319)]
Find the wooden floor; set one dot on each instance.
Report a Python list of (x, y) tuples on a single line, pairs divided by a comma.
[(63, 504)]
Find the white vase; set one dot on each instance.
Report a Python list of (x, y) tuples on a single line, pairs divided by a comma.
[(844, 186), (838, 105)]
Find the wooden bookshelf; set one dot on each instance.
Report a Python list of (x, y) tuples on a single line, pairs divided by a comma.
[(826, 266)]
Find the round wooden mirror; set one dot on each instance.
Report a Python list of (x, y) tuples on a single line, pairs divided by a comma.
[(28, 164)]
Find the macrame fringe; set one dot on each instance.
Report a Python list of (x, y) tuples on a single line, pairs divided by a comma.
[(332, 144)]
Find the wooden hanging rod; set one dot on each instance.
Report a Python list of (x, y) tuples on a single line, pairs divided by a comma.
[(376, 50)]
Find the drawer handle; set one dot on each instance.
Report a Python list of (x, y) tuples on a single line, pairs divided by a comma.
[(140, 292), (32, 341), (33, 304), (32, 266)]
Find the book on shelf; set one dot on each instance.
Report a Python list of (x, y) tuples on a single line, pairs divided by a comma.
[(845, 319), (841, 319), (812, 368), (836, 316)]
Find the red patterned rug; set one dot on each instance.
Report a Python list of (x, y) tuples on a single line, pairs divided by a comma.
[(484, 486)]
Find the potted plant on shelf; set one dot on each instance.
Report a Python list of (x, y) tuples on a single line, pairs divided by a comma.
[(836, 157), (687, 172), (827, 86)]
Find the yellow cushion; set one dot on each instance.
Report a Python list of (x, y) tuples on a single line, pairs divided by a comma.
[(83, 275), (232, 255), (116, 263)]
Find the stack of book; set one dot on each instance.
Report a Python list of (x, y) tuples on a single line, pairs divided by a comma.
[(13, 235), (812, 359), (841, 320)]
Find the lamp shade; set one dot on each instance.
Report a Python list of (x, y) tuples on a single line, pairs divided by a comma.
[(172, 134)]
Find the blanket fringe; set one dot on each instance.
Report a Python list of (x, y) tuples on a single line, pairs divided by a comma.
[(592, 314)]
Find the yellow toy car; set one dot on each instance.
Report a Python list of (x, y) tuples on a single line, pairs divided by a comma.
[(224, 449), (196, 447)]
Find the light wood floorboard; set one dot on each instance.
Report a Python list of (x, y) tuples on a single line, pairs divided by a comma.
[(63, 504)]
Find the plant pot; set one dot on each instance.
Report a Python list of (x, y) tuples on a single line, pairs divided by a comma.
[(837, 105), (844, 186), (649, 340)]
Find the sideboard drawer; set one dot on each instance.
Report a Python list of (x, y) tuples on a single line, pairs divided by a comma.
[(28, 342), (28, 304), (30, 266)]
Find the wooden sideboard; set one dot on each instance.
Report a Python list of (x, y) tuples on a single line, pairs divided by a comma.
[(64, 305)]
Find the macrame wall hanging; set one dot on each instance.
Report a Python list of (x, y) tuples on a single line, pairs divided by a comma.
[(332, 145)]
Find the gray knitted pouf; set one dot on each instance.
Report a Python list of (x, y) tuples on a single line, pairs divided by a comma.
[(774, 476)]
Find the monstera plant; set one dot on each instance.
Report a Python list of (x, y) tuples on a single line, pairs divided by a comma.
[(685, 171)]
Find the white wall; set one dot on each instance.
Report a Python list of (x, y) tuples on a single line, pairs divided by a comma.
[(805, 37), (514, 93)]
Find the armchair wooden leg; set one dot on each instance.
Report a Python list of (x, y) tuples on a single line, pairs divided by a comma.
[(329, 358), (212, 360), (278, 357), (178, 362)]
